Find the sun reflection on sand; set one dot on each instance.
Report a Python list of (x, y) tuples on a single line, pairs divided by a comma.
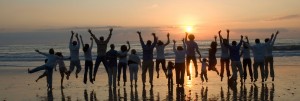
[(189, 82)]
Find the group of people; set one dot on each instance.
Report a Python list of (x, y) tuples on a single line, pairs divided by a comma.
[(183, 55)]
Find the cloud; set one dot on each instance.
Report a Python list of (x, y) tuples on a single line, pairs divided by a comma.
[(287, 17)]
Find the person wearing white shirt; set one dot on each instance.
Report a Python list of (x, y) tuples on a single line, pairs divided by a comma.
[(269, 56), (160, 55)]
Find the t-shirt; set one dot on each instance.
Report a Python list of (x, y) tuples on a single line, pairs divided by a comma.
[(134, 59), (179, 54), (224, 52), (204, 65), (235, 52), (258, 52), (74, 51), (191, 47), (246, 53), (269, 49), (122, 56), (111, 56), (88, 54), (160, 52), (101, 48), (51, 59)]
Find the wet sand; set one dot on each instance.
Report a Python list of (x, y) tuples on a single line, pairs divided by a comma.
[(16, 84)]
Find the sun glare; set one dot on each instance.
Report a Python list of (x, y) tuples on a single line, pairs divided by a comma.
[(188, 28)]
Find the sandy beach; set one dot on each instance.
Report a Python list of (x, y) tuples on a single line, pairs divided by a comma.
[(17, 85)]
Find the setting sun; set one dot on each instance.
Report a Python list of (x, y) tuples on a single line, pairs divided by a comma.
[(188, 28)]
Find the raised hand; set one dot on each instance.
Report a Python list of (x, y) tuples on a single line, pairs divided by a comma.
[(242, 36), (215, 37), (91, 38), (153, 34), (37, 50), (247, 37), (139, 32), (90, 31), (168, 35), (72, 32), (277, 32), (186, 33), (182, 40), (127, 42), (228, 30), (174, 41), (76, 35), (111, 29), (219, 32)]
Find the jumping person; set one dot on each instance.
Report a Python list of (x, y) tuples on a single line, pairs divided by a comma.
[(112, 63), (225, 60), (62, 67), (88, 66), (236, 64), (133, 62), (180, 53), (123, 62), (147, 58), (160, 55), (269, 56), (247, 60), (48, 66), (192, 46), (212, 56), (170, 73), (203, 74), (74, 47), (101, 50)]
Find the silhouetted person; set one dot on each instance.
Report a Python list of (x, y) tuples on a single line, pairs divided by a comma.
[(247, 60), (147, 58), (180, 53), (204, 64), (62, 67), (101, 51), (44, 74), (160, 55), (48, 66), (212, 56), (225, 58), (170, 72), (192, 46), (236, 64), (258, 51), (74, 54), (112, 55), (123, 62), (88, 66), (269, 56), (133, 62)]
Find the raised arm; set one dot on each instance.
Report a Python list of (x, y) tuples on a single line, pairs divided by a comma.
[(92, 43), (186, 35), (81, 41), (78, 40), (155, 40), (92, 35), (174, 46), (228, 34), (141, 39), (128, 46), (70, 43), (220, 37), (168, 42), (109, 36), (273, 41), (241, 41), (184, 45), (247, 39), (45, 54)]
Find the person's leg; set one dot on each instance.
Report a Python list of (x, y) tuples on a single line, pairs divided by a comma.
[(78, 65), (90, 67), (157, 62), (240, 68), (245, 68), (96, 66), (182, 67), (234, 70), (177, 73), (202, 76), (255, 67), (263, 77), (135, 72), (151, 66), (62, 75), (188, 59), (49, 77), (124, 65), (119, 73), (85, 71), (249, 63), (43, 67), (114, 76), (163, 63), (131, 73), (267, 61), (144, 71), (272, 73), (41, 76), (205, 76), (195, 65), (222, 68), (227, 62), (105, 63), (110, 74)]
